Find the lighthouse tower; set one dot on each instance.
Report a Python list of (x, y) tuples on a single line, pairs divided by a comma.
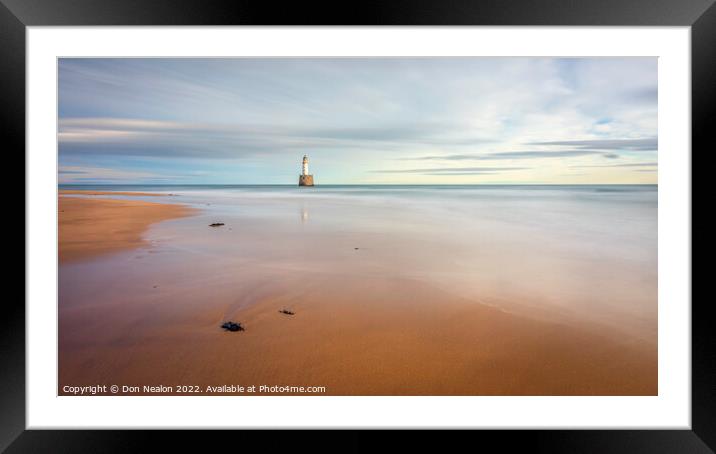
[(305, 179)]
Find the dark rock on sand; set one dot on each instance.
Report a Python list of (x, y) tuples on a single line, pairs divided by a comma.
[(287, 312), (231, 326), (216, 224)]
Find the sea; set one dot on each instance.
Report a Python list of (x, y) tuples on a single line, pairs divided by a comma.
[(577, 252)]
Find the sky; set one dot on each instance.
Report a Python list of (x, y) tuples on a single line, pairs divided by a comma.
[(470, 120)]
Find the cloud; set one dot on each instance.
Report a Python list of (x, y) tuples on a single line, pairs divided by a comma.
[(77, 174), (453, 170), (649, 144), (626, 164), (511, 155), (453, 174), (137, 137)]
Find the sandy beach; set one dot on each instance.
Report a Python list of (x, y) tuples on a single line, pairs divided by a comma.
[(90, 227), (359, 327)]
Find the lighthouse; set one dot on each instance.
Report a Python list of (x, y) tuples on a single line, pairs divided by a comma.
[(305, 179)]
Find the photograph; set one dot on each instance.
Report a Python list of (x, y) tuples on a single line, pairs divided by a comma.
[(357, 226)]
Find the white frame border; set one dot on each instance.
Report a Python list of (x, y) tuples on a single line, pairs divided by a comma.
[(670, 409)]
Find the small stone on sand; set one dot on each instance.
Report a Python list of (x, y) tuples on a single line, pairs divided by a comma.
[(231, 326)]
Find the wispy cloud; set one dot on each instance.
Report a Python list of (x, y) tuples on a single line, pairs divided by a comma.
[(648, 144), (625, 164), (136, 137), (454, 170), (510, 155), (82, 174)]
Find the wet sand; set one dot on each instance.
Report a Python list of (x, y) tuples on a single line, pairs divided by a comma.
[(354, 333), (91, 227), (391, 338)]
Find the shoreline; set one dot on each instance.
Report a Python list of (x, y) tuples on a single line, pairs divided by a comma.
[(91, 227)]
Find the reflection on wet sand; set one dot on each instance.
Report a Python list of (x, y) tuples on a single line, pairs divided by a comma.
[(409, 294)]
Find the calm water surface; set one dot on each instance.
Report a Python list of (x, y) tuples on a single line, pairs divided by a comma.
[(581, 252)]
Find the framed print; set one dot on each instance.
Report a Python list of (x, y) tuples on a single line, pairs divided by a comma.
[(454, 216)]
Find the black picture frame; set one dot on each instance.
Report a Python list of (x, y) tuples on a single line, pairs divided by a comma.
[(16, 15)]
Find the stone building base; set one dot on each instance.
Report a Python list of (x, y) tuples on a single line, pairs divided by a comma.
[(305, 180)]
